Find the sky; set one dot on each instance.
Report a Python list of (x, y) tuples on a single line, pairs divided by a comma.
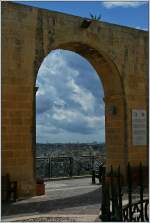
[(133, 13), (70, 106)]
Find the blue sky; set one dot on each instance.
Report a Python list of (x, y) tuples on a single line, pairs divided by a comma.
[(133, 13), (70, 105)]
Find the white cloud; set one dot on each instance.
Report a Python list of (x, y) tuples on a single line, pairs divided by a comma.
[(64, 115), (82, 96), (96, 121), (138, 27), (124, 4), (77, 119), (68, 100)]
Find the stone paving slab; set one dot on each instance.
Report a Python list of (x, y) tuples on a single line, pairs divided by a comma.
[(53, 218), (67, 197), (68, 178)]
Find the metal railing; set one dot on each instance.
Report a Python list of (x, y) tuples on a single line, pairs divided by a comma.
[(65, 166), (113, 207)]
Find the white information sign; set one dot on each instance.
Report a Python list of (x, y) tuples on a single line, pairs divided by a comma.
[(139, 127)]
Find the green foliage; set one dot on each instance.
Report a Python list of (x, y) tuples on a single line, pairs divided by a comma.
[(95, 17)]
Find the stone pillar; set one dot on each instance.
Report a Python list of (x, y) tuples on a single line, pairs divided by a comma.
[(116, 150), (17, 153)]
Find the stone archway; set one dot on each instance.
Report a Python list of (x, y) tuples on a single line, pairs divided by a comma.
[(118, 54), (114, 101)]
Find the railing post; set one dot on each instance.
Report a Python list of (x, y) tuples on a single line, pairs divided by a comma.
[(141, 189), (105, 207), (115, 215), (71, 166), (129, 191), (93, 177), (100, 173), (119, 194), (112, 191), (92, 162), (49, 168)]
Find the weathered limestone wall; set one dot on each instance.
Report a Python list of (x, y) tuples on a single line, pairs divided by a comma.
[(119, 55), (18, 40)]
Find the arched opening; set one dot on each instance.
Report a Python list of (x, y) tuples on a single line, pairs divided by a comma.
[(115, 105), (70, 125), (63, 116), (67, 85)]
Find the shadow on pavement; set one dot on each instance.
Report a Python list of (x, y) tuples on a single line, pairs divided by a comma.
[(43, 207)]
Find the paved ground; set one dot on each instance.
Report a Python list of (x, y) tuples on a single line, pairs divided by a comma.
[(76, 197)]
